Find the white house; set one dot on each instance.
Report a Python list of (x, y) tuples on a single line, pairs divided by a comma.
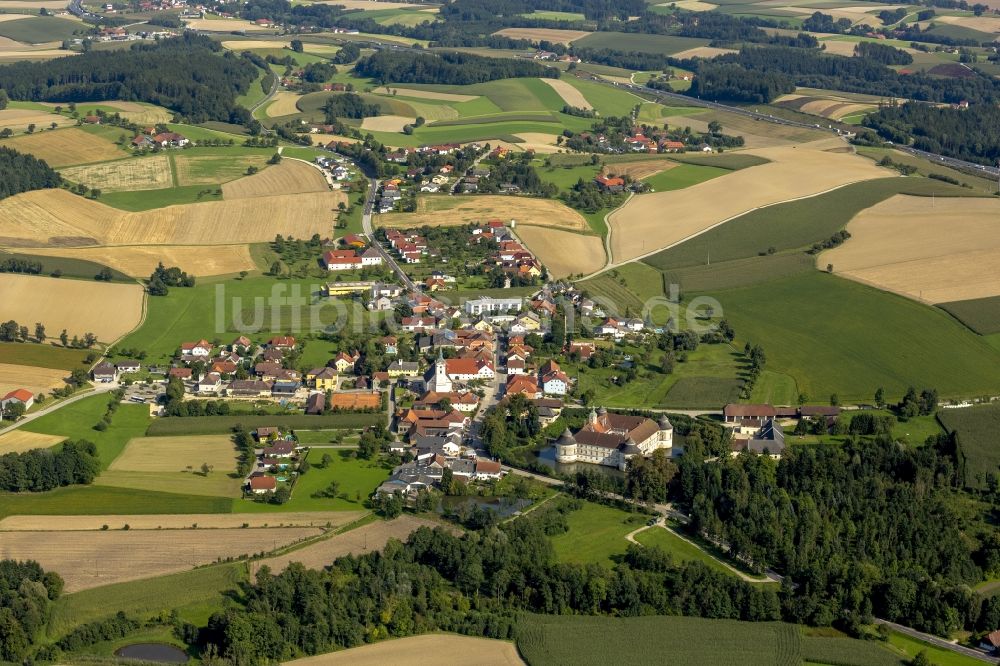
[(371, 257), (200, 349), (210, 383), (487, 305)]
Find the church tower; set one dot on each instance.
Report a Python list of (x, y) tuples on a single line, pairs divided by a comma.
[(442, 383)]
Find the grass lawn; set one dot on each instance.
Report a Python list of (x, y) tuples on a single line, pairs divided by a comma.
[(775, 388), (42, 355), (982, 315), (630, 287), (683, 176), (195, 594), (739, 272), (836, 336), (357, 478), (596, 534), (566, 177), (793, 224), (77, 421), (167, 196), (938, 656), (606, 100), (679, 549), (95, 501), (702, 392)]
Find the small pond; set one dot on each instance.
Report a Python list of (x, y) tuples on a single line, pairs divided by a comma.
[(158, 652)]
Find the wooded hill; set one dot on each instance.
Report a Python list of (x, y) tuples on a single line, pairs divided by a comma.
[(447, 68)]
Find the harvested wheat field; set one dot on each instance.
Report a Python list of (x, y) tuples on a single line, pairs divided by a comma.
[(65, 147), (225, 25), (981, 23), (425, 650), (692, 5), (364, 539), (178, 521), (562, 252), (838, 47), (291, 176), (246, 44), (141, 113), (660, 220), (35, 379), (706, 52), (386, 123), (147, 173), (213, 169), (140, 260), (108, 310), (177, 454), (934, 250), (569, 94), (19, 119), (639, 169), (374, 5), (59, 218), (88, 559), (424, 94), (447, 211), (14, 55), (540, 142), (543, 34), (829, 108), (19, 441), (284, 104), (13, 17)]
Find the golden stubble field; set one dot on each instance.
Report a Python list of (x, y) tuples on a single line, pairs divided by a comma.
[(934, 250), (291, 176), (146, 173), (177, 454), (18, 441), (446, 211), (19, 119), (424, 650), (140, 260), (283, 104), (364, 539), (213, 169), (569, 94), (65, 147), (563, 252), (660, 220), (179, 521), (91, 559), (108, 310), (60, 218), (553, 35), (35, 379)]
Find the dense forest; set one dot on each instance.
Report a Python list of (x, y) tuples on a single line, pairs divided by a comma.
[(39, 470), (971, 134), (204, 88), (447, 68), (348, 105), (22, 173), (26, 596)]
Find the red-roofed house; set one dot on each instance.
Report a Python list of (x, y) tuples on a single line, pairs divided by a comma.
[(468, 369), (262, 484), (341, 260), (610, 184), (524, 384), (18, 396)]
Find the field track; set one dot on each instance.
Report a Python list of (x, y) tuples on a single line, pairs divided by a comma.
[(140, 260), (934, 250), (655, 221), (91, 559), (59, 218), (108, 310), (364, 539), (178, 521), (425, 650)]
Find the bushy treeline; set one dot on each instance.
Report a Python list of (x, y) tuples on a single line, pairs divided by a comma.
[(23, 173), (26, 596), (971, 134), (39, 470), (732, 83), (447, 68), (162, 278), (348, 105), (883, 53), (473, 584), (862, 529), (189, 75), (110, 629), (15, 265)]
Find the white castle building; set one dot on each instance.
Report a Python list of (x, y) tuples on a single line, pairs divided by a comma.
[(611, 439)]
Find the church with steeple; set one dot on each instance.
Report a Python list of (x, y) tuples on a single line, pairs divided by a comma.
[(440, 382), (612, 439)]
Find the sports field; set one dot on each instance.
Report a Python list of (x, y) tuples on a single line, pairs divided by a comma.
[(563, 252), (364, 539), (655, 221), (18, 441), (58, 217), (65, 147), (108, 310), (289, 177), (140, 260), (442, 210), (938, 250), (91, 559), (425, 650), (149, 173)]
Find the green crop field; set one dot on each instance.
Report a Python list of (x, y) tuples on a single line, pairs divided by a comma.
[(775, 388), (168, 196), (977, 435), (71, 268), (97, 500), (731, 161), (793, 224), (42, 355), (584, 641), (194, 594), (982, 315), (596, 534), (623, 41), (217, 425), (712, 276), (356, 478), (679, 549), (683, 176), (38, 29), (836, 336), (606, 100), (627, 287), (702, 392), (849, 652), (77, 421), (566, 177)]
